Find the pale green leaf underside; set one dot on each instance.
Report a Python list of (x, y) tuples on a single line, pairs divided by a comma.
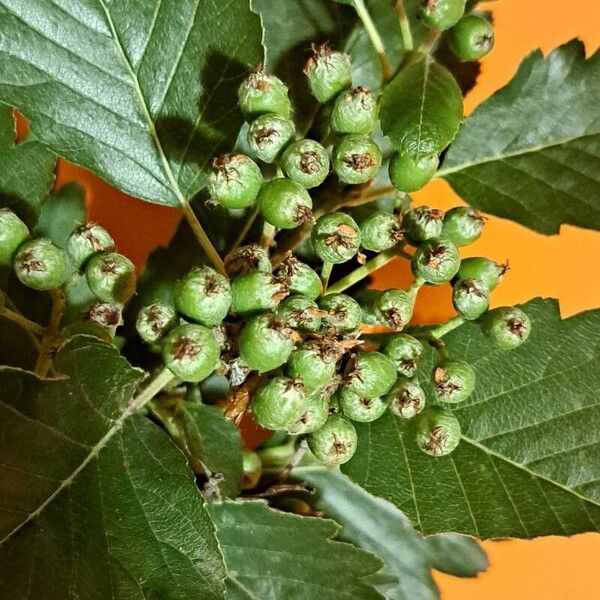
[(274, 555), (529, 461), (531, 153), (96, 503), (142, 93)]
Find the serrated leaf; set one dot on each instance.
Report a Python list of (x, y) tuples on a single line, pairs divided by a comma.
[(96, 501), (531, 153), (421, 109), (456, 554), (272, 554), (533, 416), (141, 93)]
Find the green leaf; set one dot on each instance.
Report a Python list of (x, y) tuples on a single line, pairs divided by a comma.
[(96, 501), (531, 153), (421, 109), (272, 554), (534, 415), (17, 348), (456, 554), (141, 93)]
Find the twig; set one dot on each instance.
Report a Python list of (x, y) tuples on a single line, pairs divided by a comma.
[(374, 36), (405, 32), (44, 360), (244, 232), (22, 321), (202, 238)]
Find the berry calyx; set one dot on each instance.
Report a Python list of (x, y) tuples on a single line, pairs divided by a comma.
[(306, 162), (471, 38), (268, 135), (410, 175), (436, 261), (354, 111), (342, 313), (406, 399), (380, 231), (87, 240), (191, 352), (107, 315), (300, 313), (40, 265), (328, 72), (441, 14), (462, 225), (235, 181), (256, 291), (453, 381), (336, 237), (356, 159), (247, 258), (260, 93), (406, 351), (314, 416), (422, 223), (361, 409), (470, 298), (111, 277), (483, 269), (280, 403), (313, 363), (394, 308), (154, 321), (508, 327), (437, 431), (299, 277), (284, 203), (13, 232), (370, 374), (335, 442)]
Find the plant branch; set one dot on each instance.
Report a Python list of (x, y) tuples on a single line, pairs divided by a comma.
[(156, 385), (326, 274), (374, 36), (202, 238), (405, 32), (22, 321), (44, 360), (244, 232), (447, 327)]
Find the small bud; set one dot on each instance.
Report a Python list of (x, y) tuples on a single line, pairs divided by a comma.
[(280, 403), (154, 321), (40, 265), (437, 431), (453, 381), (462, 225), (354, 111), (306, 162), (408, 175), (284, 203), (342, 313), (328, 72), (13, 232), (335, 442), (470, 298), (406, 398), (380, 231), (370, 374), (235, 181), (406, 351), (260, 93), (359, 408), (256, 291), (436, 261), (268, 135), (422, 223), (336, 237), (508, 327), (86, 241), (356, 159)]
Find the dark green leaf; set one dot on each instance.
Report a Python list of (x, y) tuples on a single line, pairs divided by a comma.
[(531, 153), (271, 554), (534, 415), (97, 503), (142, 93), (17, 347), (456, 554)]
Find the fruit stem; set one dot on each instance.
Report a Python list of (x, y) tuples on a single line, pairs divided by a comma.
[(22, 321), (374, 36), (44, 360), (244, 232), (202, 238), (326, 274), (446, 327), (156, 385), (268, 234), (405, 32)]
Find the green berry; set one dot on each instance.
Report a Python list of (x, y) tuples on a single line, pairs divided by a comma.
[(265, 343), (471, 38), (356, 159), (453, 381), (280, 403), (354, 111), (370, 374), (13, 232), (342, 313), (328, 72), (406, 399), (380, 231), (314, 417), (154, 321), (470, 298), (107, 315), (336, 237), (247, 258), (437, 431), (260, 93), (256, 291), (508, 327), (483, 269), (394, 308), (359, 408), (111, 277), (252, 469), (41, 265), (368, 299), (235, 181), (191, 352), (268, 135), (422, 223), (284, 203), (462, 225), (306, 162), (436, 261), (335, 442), (300, 313), (441, 14), (300, 278), (410, 175), (313, 363), (406, 351), (86, 241)]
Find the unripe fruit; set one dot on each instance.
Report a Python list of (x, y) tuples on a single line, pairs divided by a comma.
[(406, 399), (328, 72), (359, 408), (252, 469), (13, 232), (255, 292), (394, 308), (265, 343), (483, 269), (462, 225), (380, 231), (284, 203), (40, 265), (107, 315), (354, 111), (314, 417), (453, 381), (406, 351), (470, 298), (314, 364), (191, 352), (437, 431), (508, 327), (410, 175), (335, 442), (300, 313), (260, 93), (306, 162), (471, 38), (235, 181), (86, 241), (368, 299), (343, 313), (280, 403), (436, 261), (422, 223), (441, 14), (247, 258), (154, 321), (356, 159), (370, 374), (268, 135), (336, 237), (111, 277), (300, 278)]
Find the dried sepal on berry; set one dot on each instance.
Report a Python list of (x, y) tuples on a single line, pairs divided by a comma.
[(40, 265), (328, 72), (437, 431), (336, 237), (235, 181)]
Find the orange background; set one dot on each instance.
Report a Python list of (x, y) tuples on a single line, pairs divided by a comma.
[(562, 266)]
